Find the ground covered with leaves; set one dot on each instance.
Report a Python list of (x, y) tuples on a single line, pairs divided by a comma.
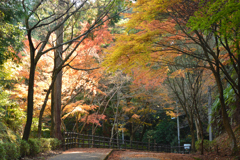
[(132, 155)]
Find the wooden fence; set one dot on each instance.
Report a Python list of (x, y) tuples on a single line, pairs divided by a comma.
[(76, 140)]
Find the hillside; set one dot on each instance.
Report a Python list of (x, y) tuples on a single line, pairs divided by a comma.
[(220, 149)]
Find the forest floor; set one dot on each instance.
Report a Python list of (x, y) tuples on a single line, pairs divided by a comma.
[(141, 155)]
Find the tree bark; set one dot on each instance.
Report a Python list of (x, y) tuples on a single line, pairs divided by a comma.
[(30, 103), (143, 131), (226, 122), (43, 108), (57, 89), (115, 120), (198, 130)]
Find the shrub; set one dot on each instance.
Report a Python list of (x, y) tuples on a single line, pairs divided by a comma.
[(34, 146), (207, 145), (55, 143), (45, 144), (2, 152), (12, 151), (24, 148)]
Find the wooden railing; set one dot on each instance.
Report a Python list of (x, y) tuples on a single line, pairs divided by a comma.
[(76, 140)]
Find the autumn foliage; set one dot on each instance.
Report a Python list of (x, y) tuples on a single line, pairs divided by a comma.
[(75, 82)]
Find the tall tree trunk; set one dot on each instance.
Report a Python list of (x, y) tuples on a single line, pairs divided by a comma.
[(117, 135), (198, 130), (192, 134), (52, 114), (131, 133), (227, 125), (85, 122), (57, 89), (43, 107), (115, 120), (226, 122), (210, 113), (143, 131), (30, 103)]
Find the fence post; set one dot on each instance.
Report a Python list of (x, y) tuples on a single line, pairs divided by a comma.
[(83, 137), (92, 142), (154, 148), (63, 135), (75, 141), (118, 143), (67, 141), (78, 139), (88, 141), (149, 144), (103, 142), (72, 140)]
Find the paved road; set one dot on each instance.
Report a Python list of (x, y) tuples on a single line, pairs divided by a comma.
[(82, 154), (143, 158)]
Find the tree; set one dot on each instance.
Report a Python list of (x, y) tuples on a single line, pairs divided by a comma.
[(48, 25), (187, 86), (222, 27), (76, 83), (175, 33), (11, 35), (164, 132), (57, 86)]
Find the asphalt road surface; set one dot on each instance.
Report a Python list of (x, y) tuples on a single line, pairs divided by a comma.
[(82, 154)]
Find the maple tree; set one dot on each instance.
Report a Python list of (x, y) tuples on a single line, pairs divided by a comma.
[(75, 82), (47, 22), (159, 31)]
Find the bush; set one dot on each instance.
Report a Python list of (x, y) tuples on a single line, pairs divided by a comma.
[(12, 151), (45, 144), (24, 148), (2, 152), (41, 145), (55, 143), (207, 145), (34, 146)]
